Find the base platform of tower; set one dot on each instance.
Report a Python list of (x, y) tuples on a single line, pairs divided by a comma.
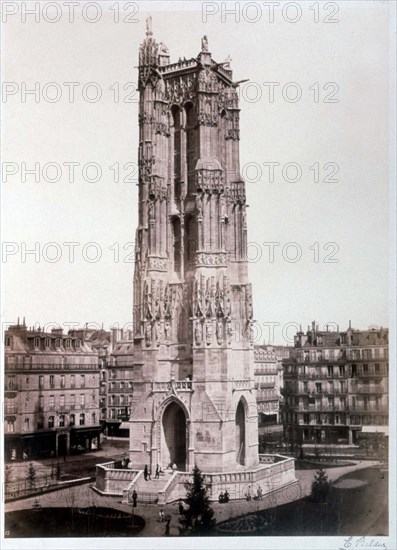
[(273, 473), (194, 400)]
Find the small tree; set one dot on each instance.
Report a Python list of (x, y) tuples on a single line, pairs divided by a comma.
[(31, 476), (198, 518), (320, 486)]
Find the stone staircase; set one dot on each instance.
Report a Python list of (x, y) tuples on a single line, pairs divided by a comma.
[(151, 491)]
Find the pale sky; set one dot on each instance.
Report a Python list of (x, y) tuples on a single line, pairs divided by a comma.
[(352, 134)]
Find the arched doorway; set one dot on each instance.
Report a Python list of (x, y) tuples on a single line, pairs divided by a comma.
[(173, 437), (240, 433)]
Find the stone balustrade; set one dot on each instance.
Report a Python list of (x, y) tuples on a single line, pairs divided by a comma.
[(242, 384)]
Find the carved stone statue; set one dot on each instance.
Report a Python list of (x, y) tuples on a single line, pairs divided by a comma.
[(148, 333), (198, 333), (208, 331), (149, 26), (151, 210), (204, 44), (229, 330), (167, 329), (219, 331), (199, 205)]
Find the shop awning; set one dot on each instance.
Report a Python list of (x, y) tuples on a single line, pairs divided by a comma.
[(375, 429)]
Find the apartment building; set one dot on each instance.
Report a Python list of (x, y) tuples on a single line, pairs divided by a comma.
[(336, 386), (51, 384)]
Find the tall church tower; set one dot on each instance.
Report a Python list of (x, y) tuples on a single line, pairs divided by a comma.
[(194, 397)]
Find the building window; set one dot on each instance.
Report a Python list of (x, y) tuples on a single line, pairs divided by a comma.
[(68, 343), (51, 421), (72, 381), (318, 387), (82, 400), (72, 420), (40, 423), (93, 418), (82, 419), (52, 380), (27, 424), (52, 402), (41, 402), (11, 383), (341, 370), (36, 342), (330, 370), (27, 381), (62, 421), (47, 342), (78, 344), (72, 401), (57, 342), (82, 381), (62, 380), (10, 426), (7, 341), (62, 401), (41, 381)]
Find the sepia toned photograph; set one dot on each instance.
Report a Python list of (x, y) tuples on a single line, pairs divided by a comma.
[(198, 274)]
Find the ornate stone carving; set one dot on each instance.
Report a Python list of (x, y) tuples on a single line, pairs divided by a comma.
[(211, 258), (181, 89), (209, 180), (157, 264)]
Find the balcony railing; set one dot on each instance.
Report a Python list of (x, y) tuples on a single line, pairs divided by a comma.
[(362, 409), (55, 367), (10, 409), (369, 389), (126, 389)]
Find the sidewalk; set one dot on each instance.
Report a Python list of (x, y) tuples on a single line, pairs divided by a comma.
[(84, 496)]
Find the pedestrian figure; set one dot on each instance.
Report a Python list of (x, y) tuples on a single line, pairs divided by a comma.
[(146, 473), (226, 496), (157, 474), (161, 516), (134, 498), (180, 506), (167, 528), (259, 492)]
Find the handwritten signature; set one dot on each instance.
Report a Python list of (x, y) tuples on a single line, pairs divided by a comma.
[(363, 542)]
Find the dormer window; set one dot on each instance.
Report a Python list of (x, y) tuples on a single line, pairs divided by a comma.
[(78, 344), (36, 342), (47, 342), (57, 342), (7, 341), (68, 343)]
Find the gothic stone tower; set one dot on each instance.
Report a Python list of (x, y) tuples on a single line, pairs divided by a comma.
[(194, 398)]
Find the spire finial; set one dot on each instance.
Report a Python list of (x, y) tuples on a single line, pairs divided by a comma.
[(149, 26)]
